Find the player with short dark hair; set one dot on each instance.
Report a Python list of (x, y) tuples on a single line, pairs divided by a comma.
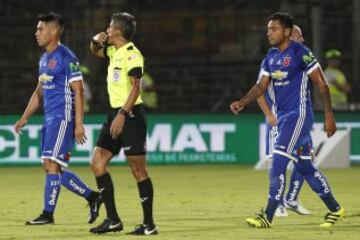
[(287, 67), (296, 180), (125, 126), (61, 90)]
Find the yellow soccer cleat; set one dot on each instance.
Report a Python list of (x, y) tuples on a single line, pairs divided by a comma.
[(260, 221), (332, 217)]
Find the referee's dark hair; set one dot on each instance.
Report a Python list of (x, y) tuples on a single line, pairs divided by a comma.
[(285, 19), (126, 23), (52, 17)]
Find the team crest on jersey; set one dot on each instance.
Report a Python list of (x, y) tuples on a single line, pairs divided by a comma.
[(52, 63), (286, 61)]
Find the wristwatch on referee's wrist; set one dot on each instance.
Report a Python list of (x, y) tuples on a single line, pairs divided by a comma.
[(123, 112)]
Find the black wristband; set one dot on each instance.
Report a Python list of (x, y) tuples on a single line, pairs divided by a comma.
[(123, 112)]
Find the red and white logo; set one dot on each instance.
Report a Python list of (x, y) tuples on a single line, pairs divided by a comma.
[(286, 61), (52, 63)]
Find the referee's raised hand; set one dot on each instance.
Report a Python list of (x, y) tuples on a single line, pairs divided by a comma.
[(101, 38)]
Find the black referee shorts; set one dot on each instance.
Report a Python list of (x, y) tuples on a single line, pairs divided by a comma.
[(133, 136)]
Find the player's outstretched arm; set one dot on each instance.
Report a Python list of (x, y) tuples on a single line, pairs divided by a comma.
[(255, 92), (98, 43), (32, 106), (78, 88), (318, 77), (266, 110)]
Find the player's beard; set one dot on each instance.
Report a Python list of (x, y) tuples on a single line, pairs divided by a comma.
[(278, 43)]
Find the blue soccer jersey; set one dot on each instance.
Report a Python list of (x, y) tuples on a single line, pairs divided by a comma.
[(288, 71), (56, 71), (289, 95)]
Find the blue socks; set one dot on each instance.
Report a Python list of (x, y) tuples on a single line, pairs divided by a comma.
[(51, 193), (304, 169), (277, 184), (296, 182), (74, 184), (318, 184), (70, 181)]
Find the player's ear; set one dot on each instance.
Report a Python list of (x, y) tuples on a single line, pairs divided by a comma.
[(54, 30)]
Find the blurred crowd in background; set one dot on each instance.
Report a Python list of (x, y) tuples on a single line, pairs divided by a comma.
[(200, 55)]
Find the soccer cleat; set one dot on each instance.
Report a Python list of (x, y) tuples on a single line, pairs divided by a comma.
[(332, 217), (260, 221), (281, 211), (94, 208), (297, 207), (144, 229), (41, 220), (107, 226)]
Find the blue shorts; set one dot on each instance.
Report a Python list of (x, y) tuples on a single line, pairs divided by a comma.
[(293, 139), (57, 140)]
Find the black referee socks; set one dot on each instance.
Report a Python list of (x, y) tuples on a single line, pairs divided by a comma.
[(146, 193)]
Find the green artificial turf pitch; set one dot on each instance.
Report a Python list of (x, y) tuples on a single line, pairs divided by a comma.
[(191, 202)]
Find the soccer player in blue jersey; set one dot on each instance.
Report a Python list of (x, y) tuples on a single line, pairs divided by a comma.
[(296, 181), (60, 88), (287, 67)]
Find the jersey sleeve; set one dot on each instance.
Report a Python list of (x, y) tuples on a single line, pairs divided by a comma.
[(264, 70), (73, 70), (109, 51), (308, 61), (134, 64)]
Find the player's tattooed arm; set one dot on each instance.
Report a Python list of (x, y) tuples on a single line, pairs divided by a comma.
[(255, 92), (319, 78)]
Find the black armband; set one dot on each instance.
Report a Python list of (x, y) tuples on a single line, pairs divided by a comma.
[(135, 72), (124, 112)]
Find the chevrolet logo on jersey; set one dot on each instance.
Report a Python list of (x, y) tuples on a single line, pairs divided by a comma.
[(279, 75), (45, 78)]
